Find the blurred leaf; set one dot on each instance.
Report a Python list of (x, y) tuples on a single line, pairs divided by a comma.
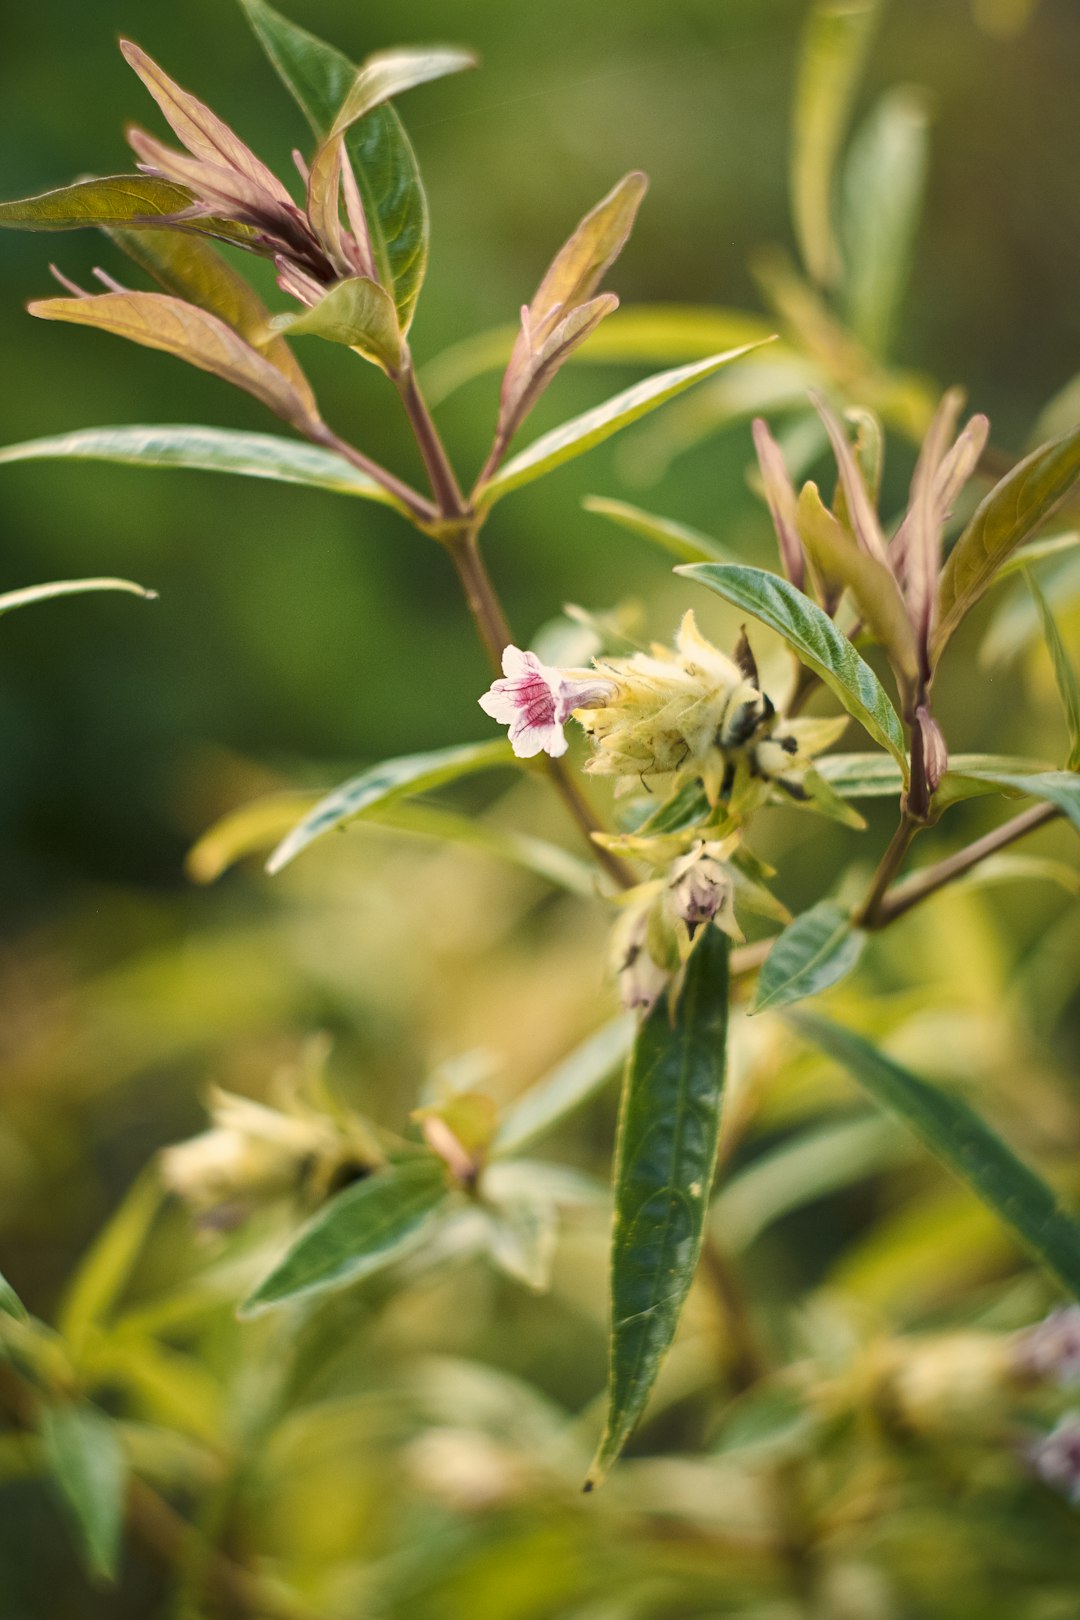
[(250, 829), (817, 950), (641, 334), (191, 268), (883, 184), (975, 1153), (115, 201), (70, 587), (682, 542), (391, 73), (799, 1171), (521, 1239), (581, 433), (1010, 868), (170, 1387), (1064, 674), (874, 776), (665, 1158), (363, 1229), (395, 778), (1059, 414), (207, 449), (1061, 788), (358, 313), (10, 1303), (768, 1423), (570, 1084), (814, 639), (1008, 515), (158, 321), (834, 45), (107, 1264), (85, 1459), (1038, 551)]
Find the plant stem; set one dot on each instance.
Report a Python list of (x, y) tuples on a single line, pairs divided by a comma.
[(419, 507), (444, 485), (889, 866), (922, 884)]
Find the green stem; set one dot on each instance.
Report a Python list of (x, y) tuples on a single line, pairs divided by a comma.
[(444, 485), (889, 866)]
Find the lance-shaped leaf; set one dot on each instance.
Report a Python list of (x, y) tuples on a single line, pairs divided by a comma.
[(365, 1228), (818, 950), (201, 131), (965, 1143), (1060, 788), (395, 779), (358, 313), (780, 498), (10, 1303), (1064, 674), (860, 511), (158, 321), (665, 1157), (922, 550), (814, 638), (70, 587), (580, 434), (390, 73), (570, 1084), (190, 268), (564, 311), (1010, 513), (319, 78), (678, 539), (84, 1457), (883, 184), (833, 50), (207, 449), (118, 200), (840, 562)]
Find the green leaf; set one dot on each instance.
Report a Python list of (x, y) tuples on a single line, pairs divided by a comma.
[(1061, 788), (107, 1265), (570, 1084), (71, 587), (965, 1143), (1008, 515), (363, 1229), (883, 184), (158, 321), (676, 538), (874, 776), (665, 1157), (1038, 551), (84, 1457), (115, 201), (391, 73), (573, 438), (207, 449), (814, 638), (319, 78), (10, 1303), (1011, 868), (1064, 674), (834, 47), (394, 779), (358, 313), (818, 950)]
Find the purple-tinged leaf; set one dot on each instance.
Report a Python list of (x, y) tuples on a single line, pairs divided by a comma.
[(922, 553), (864, 520), (120, 200), (780, 496), (358, 313), (390, 73)]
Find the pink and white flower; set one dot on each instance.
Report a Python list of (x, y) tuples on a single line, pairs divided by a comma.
[(536, 701)]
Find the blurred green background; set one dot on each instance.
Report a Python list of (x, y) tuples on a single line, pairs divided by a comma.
[(299, 636)]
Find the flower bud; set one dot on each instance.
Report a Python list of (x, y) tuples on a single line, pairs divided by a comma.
[(1051, 1349), (642, 980), (701, 890), (1056, 1457)]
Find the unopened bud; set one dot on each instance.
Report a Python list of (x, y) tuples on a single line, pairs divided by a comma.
[(701, 891), (1051, 1349), (1056, 1457), (642, 980)]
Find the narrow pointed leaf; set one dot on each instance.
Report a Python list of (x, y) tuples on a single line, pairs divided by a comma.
[(860, 511), (665, 1158), (158, 321), (189, 267), (85, 1459), (71, 587), (206, 449), (834, 47), (358, 313), (10, 1303), (532, 368), (570, 1084), (1064, 674), (319, 77), (1060, 788), (581, 263), (678, 539), (1010, 513), (107, 1265), (390, 73), (580, 434), (818, 950), (965, 1143), (395, 779), (780, 498), (814, 638), (114, 201), (883, 184), (362, 1230)]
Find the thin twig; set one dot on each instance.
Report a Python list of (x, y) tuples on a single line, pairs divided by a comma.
[(419, 507)]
